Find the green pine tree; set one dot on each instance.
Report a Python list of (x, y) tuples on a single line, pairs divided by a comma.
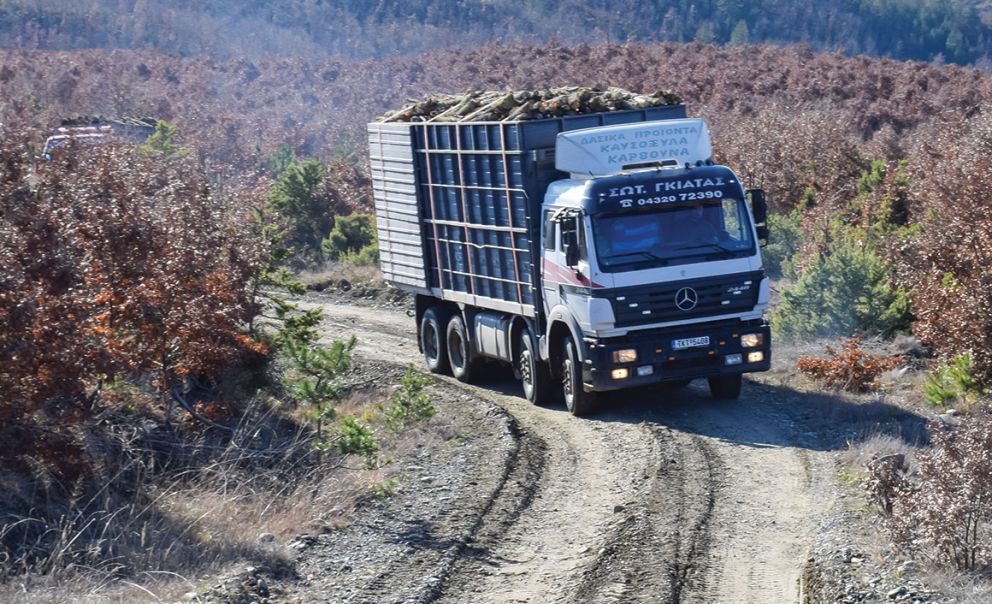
[(315, 378), (847, 291), (740, 35), (297, 197), (704, 34), (162, 140), (353, 240)]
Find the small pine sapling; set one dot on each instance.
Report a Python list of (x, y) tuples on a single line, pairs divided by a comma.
[(409, 403), (355, 437), (953, 383), (273, 278), (316, 379)]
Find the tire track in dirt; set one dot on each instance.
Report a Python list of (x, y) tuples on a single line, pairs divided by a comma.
[(760, 524), (540, 557), (664, 497), (697, 484), (726, 515), (388, 336), (546, 523), (654, 555), (512, 496), (521, 469)]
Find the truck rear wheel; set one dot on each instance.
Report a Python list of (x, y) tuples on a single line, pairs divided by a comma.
[(534, 373), (578, 401), (726, 387), (460, 355), (433, 342)]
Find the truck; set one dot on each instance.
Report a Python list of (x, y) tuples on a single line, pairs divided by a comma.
[(591, 252), (94, 131)]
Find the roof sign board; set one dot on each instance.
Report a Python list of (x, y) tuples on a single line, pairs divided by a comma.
[(610, 150)]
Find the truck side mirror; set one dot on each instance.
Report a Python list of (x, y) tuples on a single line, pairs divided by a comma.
[(571, 254), (758, 206), (760, 210)]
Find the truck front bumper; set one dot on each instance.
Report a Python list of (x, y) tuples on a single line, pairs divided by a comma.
[(676, 354)]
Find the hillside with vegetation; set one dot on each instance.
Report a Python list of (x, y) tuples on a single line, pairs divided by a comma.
[(180, 360), (902, 29), (877, 160)]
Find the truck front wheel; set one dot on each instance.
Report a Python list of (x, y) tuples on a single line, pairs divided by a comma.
[(460, 354), (432, 342), (578, 401), (726, 387), (534, 374)]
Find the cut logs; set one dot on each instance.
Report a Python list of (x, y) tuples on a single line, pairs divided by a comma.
[(500, 106)]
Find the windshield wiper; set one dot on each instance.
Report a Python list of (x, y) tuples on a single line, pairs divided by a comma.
[(724, 246), (643, 255)]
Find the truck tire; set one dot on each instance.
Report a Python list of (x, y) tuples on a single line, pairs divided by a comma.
[(534, 373), (433, 342), (578, 401), (726, 387), (460, 356)]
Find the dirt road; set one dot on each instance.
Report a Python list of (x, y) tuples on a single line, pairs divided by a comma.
[(664, 496)]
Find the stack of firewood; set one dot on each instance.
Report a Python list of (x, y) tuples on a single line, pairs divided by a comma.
[(97, 121), (525, 104)]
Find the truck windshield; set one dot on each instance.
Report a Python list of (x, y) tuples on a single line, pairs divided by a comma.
[(677, 234)]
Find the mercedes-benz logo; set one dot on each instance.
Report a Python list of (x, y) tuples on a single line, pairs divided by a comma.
[(686, 298)]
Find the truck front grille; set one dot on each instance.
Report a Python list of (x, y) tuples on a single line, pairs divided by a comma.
[(666, 302)]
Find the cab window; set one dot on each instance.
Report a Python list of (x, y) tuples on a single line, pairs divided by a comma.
[(549, 231), (572, 233)]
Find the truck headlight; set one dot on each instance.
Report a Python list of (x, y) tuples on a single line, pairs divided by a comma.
[(752, 340), (620, 374), (627, 355)]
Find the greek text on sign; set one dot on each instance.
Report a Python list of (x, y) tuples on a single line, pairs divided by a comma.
[(666, 191), (610, 149)]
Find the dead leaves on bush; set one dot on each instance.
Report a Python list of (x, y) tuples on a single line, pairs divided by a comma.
[(941, 512), (849, 368)]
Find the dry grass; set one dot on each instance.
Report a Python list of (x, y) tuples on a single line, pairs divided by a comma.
[(783, 371), (955, 584), (362, 401), (144, 532), (962, 588), (858, 454), (342, 276), (351, 281), (46, 589)]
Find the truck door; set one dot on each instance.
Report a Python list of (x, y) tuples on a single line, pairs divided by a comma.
[(559, 277), (550, 261)]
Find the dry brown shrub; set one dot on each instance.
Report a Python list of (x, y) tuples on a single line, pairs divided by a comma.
[(849, 367), (949, 265), (942, 513), (239, 113), (117, 262)]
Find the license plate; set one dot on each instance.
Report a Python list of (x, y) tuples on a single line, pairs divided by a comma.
[(690, 343)]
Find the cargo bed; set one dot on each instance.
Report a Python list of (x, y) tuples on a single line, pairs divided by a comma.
[(458, 203)]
